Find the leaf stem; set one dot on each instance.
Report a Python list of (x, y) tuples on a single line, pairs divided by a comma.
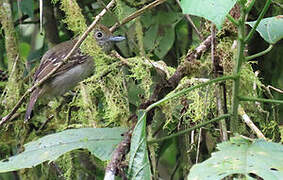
[(265, 8), (260, 53), (233, 20), (247, 98), (175, 95), (249, 6), (150, 141)]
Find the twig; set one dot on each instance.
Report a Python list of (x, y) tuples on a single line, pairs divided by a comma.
[(249, 122), (136, 14), (118, 156), (191, 22), (123, 60), (275, 89), (58, 170), (200, 130), (150, 141), (247, 98), (198, 146), (278, 4), (218, 72), (75, 47), (43, 126)]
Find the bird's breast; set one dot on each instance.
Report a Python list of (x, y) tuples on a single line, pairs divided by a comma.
[(68, 80)]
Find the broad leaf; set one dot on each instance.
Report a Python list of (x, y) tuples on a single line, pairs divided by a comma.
[(99, 141), (270, 29), (159, 36), (139, 166), (240, 156), (213, 10)]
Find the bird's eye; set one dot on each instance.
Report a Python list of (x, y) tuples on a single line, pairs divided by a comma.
[(99, 34)]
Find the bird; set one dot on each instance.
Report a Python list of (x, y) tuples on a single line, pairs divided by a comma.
[(78, 67)]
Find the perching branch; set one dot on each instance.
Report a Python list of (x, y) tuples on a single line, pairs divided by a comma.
[(160, 91), (136, 14), (249, 122), (75, 47)]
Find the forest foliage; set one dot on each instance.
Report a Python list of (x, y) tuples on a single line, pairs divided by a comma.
[(188, 95)]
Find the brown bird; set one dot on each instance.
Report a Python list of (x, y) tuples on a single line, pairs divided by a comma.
[(78, 67)]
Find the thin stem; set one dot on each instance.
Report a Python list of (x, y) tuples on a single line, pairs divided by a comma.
[(191, 22), (246, 98), (260, 53), (233, 20), (136, 14), (249, 6), (188, 130), (251, 33), (175, 95), (250, 123), (239, 59)]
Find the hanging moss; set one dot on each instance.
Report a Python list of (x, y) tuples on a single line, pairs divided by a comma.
[(15, 65), (140, 70)]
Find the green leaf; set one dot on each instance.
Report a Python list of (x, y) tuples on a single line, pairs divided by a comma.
[(24, 49), (165, 39), (150, 37), (134, 92), (270, 29), (159, 36), (240, 156), (99, 141), (213, 10), (139, 166)]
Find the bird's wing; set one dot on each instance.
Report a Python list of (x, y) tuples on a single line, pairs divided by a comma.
[(52, 57)]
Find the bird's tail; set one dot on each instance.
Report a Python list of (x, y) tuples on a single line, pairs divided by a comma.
[(33, 98)]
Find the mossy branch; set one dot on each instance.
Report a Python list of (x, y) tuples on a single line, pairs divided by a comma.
[(160, 91)]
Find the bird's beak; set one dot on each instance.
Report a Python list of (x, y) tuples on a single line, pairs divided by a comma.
[(116, 38)]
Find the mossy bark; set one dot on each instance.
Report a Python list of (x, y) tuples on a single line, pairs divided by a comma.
[(15, 65)]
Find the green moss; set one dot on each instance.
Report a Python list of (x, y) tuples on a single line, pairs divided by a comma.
[(139, 35), (140, 70), (15, 65)]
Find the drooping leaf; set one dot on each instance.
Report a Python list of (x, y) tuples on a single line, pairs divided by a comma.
[(159, 35), (166, 40), (241, 156), (270, 29), (134, 92), (24, 49), (150, 36), (213, 10), (99, 141), (139, 166)]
